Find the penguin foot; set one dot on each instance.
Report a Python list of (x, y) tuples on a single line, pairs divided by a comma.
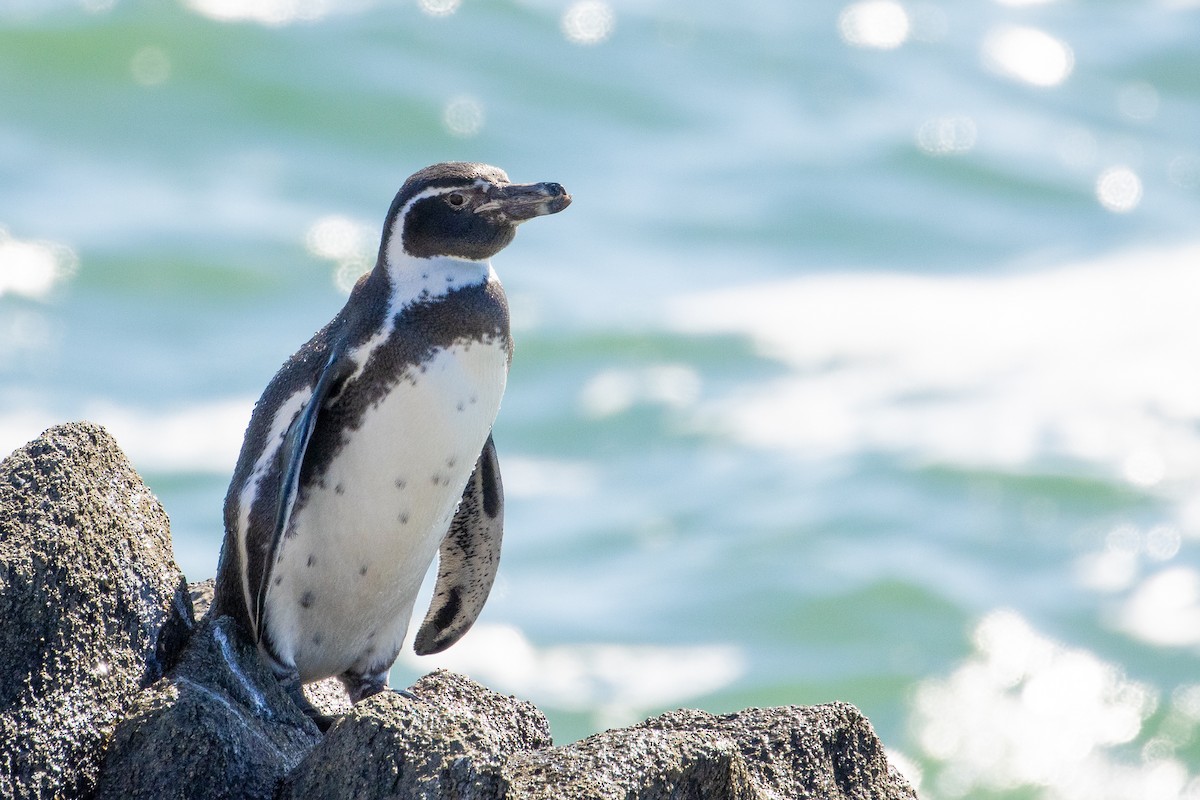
[(360, 686)]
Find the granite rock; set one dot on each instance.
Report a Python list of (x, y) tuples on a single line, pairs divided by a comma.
[(93, 606), (218, 726), (825, 752), (450, 740)]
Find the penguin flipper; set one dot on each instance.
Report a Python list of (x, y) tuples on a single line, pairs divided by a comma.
[(290, 457), (467, 559)]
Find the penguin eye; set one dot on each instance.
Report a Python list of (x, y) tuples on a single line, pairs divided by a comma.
[(456, 199)]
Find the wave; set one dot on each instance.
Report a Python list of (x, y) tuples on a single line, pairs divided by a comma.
[(618, 683), (1093, 362)]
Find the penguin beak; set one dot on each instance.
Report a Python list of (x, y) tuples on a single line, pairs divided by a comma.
[(517, 202)]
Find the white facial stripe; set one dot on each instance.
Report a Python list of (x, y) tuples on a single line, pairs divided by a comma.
[(396, 233)]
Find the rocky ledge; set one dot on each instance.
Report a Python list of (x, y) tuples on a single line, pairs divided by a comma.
[(110, 688)]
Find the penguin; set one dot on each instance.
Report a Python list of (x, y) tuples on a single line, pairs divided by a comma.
[(370, 451)]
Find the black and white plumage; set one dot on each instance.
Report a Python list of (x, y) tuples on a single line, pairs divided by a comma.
[(371, 449)]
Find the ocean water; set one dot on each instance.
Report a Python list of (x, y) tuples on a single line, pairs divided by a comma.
[(865, 365)]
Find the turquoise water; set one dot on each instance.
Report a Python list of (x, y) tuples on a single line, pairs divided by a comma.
[(863, 366)]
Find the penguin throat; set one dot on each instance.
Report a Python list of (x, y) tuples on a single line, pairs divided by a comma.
[(415, 280)]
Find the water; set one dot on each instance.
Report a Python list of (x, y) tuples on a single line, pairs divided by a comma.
[(861, 368)]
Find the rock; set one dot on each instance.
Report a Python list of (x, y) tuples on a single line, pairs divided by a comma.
[(93, 606), (452, 741), (201, 593), (218, 725), (462, 740), (828, 752), (635, 763)]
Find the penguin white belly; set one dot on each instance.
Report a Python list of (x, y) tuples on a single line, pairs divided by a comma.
[(342, 592)]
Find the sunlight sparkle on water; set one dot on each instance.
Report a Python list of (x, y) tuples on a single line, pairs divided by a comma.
[(1092, 362), (33, 269), (1126, 553), (463, 116), (1119, 189), (1024, 710), (344, 241), (948, 135), (266, 12), (588, 22), (1028, 55), (440, 8), (1163, 542), (877, 24)]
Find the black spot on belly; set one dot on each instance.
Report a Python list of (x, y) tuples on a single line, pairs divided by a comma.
[(403, 518), (340, 489), (436, 479), (312, 559), (316, 639), (306, 600), (450, 462), (278, 579), (371, 635), (362, 570), (401, 483)]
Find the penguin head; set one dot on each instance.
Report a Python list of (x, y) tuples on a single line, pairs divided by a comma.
[(461, 210)]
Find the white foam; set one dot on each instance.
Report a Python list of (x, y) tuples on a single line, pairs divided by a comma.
[(33, 269), (1094, 362), (526, 477), (198, 438), (618, 683), (614, 391), (272, 12), (1164, 609)]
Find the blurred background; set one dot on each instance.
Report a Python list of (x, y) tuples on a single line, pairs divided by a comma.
[(863, 367)]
